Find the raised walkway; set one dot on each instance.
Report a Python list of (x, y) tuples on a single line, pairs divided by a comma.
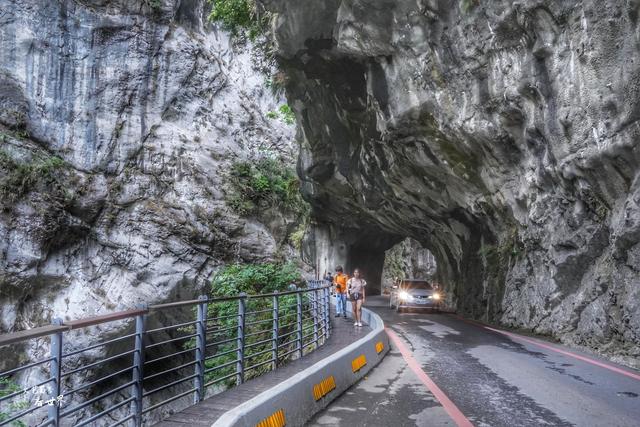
[(207, 412)]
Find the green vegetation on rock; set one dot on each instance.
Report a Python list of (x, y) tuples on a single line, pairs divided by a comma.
[(284, 113), (7, 387), (237, 16), (19, 178), (254, 278), (263, 184), (250, 279), (287, 114)]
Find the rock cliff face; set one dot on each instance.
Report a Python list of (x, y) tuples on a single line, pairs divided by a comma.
[(119, 122), (502, 135)]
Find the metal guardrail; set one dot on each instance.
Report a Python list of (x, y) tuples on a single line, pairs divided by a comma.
[(158, 355)]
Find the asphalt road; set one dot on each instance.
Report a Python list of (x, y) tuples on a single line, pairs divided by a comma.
[(491, 378)]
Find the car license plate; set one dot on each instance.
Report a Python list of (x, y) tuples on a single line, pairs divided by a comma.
[(422, 301)]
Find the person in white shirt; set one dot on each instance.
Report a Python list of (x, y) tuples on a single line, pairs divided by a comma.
[(355, 289)]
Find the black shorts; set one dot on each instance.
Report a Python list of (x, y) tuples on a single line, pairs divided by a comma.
[(355, 296)]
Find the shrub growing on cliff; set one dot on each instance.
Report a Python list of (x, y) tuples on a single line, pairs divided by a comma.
[(287, 114), (250, 279), (266, 183), (284, 113), (237, 15), (19, 178), (254, 278)]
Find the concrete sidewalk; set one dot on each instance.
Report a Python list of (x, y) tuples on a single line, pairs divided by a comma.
[(209, 410)]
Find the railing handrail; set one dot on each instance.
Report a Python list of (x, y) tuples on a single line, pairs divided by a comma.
[(299, 325), (27, 334), (96, 320)]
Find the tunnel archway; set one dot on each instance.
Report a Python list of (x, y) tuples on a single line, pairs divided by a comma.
[(408, 259), (330, 246)]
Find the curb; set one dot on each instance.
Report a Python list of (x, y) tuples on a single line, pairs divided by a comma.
[(296, 400)]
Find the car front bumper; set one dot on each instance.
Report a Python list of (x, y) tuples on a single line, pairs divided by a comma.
[(414, 304)]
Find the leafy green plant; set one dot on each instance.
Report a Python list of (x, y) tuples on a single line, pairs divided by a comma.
[(264, 184), (7, 387), (254, 278), (297, 236), (238, 15), (250, 279), (287, 114), (284, 113)]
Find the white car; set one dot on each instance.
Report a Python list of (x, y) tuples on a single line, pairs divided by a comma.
[(415, 294)]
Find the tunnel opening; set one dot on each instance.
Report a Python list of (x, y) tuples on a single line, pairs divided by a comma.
[(408, 259), (330, 246), (463, 258)]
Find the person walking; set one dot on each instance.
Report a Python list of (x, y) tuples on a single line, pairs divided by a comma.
[(328, 277), (340, 281), (355, 289)]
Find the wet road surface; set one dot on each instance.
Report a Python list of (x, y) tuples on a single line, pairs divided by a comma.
[(492, 378)]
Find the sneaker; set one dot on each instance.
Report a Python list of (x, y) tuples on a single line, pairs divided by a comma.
[(359, 323), (338, 315), (355, 323), (345, 315)]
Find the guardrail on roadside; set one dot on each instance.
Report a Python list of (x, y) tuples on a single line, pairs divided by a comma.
[(297, 399), (155, 355)]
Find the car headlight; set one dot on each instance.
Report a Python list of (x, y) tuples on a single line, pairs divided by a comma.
[(436, 295), (404, 295)]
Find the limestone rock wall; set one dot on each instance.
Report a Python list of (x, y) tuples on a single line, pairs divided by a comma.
[(139, 108), (502, 135)]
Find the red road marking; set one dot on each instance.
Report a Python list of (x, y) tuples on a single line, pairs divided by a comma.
[(557, 350), (453, 411), (567, 353)]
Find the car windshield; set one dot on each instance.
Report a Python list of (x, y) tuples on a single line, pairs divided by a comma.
[(416, 284)]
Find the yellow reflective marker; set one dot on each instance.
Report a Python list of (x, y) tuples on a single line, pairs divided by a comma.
[(323, 388), (358, 363), (274, 420), (379, 347)]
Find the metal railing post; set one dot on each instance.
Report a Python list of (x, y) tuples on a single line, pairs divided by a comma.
[(314, 313), (276, 331), (323, 313), (299, 310), (201, 346), (327, 310), (56, 371), (240, 339), (138, 367)]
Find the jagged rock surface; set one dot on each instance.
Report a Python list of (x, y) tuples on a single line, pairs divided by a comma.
[(501, 135), (147, 106)]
